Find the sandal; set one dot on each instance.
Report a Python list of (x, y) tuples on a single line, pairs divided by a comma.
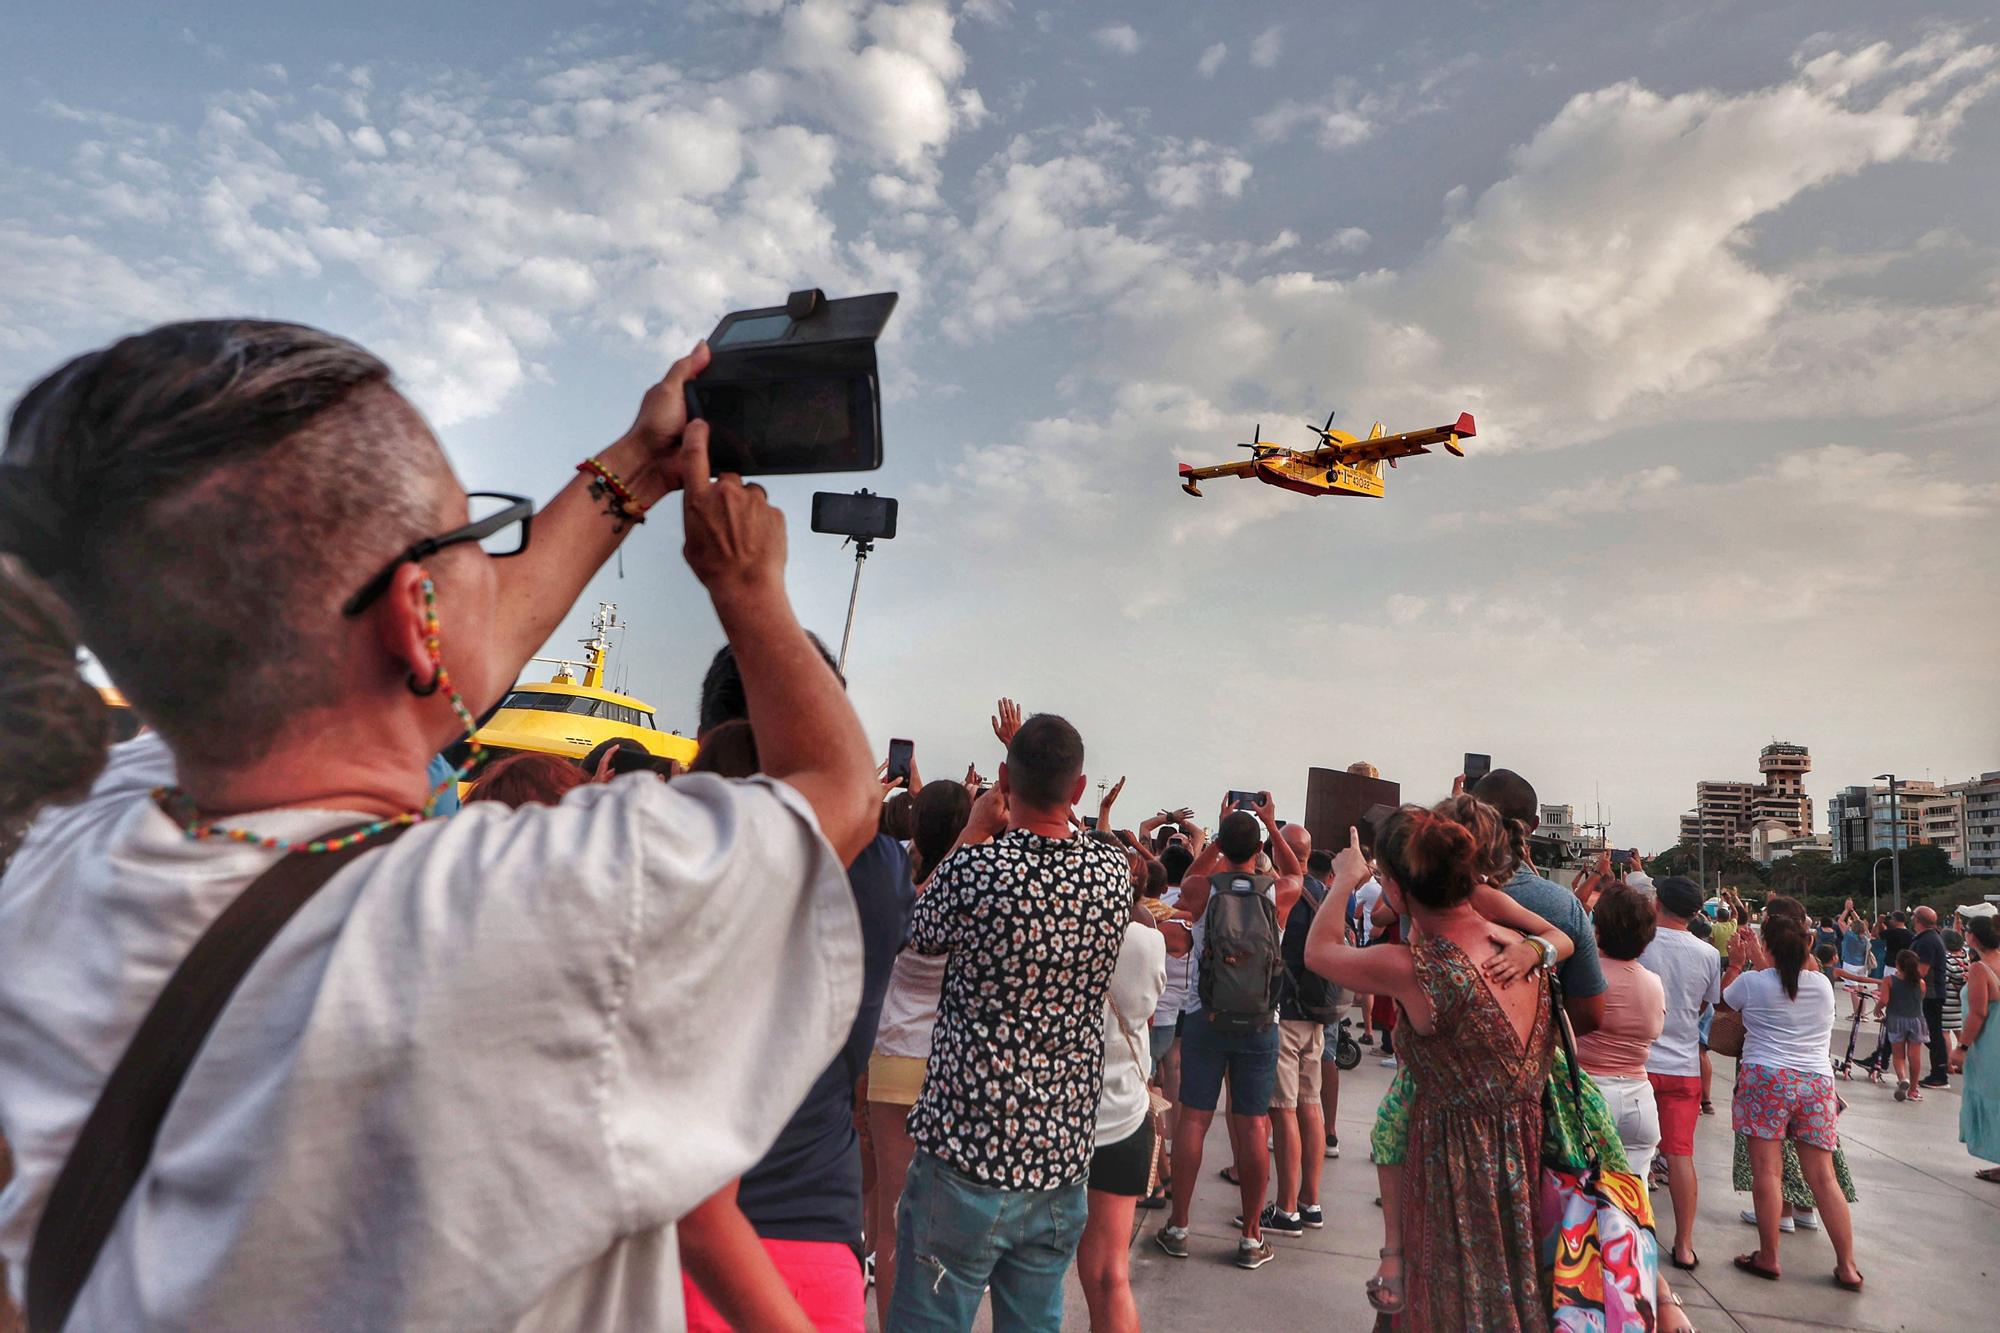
[(1844, 1284), (1228, 1173), (1991, 1175), (1694, 1261), (1748, 1263), (1385, 1294)]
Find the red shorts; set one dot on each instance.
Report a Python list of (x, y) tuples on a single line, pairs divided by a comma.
[(822, 1275), (1678, 1097)]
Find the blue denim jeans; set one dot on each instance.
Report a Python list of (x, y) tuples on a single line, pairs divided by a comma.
[(955, 1236)]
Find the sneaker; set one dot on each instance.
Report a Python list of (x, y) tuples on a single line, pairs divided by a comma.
[(868, 1270), (1388, 1062), (1174, 1240), (1275, 1222), (1785, 1224), (1310, 1214), (1333, 1145), (1253, 1253), (1934, 1081), (1806, 1218)]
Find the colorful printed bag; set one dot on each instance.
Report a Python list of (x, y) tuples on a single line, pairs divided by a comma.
[(1600, 1259)]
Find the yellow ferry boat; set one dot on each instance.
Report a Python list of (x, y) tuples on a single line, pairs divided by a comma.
[(570, 717)]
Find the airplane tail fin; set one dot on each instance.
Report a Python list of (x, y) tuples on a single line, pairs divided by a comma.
[(1188, 483)]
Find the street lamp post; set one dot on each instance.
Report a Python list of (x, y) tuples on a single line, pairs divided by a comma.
[(1895, 844), (1875, 891)]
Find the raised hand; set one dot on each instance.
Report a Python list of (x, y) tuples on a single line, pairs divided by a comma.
[(662, 418), (1111, 796), (989, 817), (735, 538), (1350, 866), (1007, 721), (973, 782)]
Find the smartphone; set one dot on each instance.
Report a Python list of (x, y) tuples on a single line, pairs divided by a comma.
[(1621, 862), (857, 515), (1090, 822), (1476, 767), (1242, 800), (901, 752)]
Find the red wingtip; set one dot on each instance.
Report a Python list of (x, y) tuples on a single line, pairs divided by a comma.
[(1465, 427), (1185, 469)]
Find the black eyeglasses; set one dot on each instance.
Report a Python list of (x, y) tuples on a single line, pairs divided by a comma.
[(499, 524)]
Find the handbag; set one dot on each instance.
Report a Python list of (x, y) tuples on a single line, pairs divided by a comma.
[(1600, 1260), (1725, 1032)]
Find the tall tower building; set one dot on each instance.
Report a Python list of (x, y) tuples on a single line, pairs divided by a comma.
[(1741, 816)]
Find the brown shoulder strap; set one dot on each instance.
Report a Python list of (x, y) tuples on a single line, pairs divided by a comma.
[(111, 1152)]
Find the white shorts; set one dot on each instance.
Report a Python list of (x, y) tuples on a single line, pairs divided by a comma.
[(1630, 1098)]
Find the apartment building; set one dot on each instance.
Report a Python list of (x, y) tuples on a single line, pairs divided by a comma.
[(1864, 819), (1749, 816)]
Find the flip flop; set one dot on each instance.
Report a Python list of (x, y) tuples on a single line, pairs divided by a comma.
[(1748, 1263), (1844, 1284), (1991, 1175), (1694, 1261), (1228, 1173)]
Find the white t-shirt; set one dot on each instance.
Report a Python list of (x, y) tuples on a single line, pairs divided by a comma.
[(910, 1006), (1365, 899), (471, 1085), (1690, 972), (1781, 1032), (1136, 983)]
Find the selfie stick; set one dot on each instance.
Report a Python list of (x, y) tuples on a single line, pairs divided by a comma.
[(862, 546)]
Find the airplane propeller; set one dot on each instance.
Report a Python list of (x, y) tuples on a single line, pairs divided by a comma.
[(1322, 431), (1256, 437)]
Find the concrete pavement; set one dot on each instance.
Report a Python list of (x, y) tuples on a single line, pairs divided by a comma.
[(1927, 1234)]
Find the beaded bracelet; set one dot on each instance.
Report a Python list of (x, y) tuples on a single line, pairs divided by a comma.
[(624, 506)]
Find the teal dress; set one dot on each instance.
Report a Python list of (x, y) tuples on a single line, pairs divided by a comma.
[(1979, 1107)]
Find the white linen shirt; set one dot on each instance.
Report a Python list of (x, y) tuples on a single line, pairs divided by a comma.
[(1136, 984), (471, 1085)]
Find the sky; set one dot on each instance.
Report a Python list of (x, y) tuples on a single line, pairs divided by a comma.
[(1718, 283)]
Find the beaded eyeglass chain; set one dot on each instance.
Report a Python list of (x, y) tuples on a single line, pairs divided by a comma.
[(196, 829)]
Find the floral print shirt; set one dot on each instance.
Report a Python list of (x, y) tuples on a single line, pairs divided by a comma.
[(1032, 927)]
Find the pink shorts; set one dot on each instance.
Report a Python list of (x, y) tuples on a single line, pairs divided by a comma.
[(1786, 1104), (822, 1275)]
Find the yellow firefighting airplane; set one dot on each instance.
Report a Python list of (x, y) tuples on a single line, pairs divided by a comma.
[(1342, 465)]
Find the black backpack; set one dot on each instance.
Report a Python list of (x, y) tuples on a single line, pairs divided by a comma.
[(1241, 964), (1318, 998)]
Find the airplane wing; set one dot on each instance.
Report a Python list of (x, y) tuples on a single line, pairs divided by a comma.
[(1191, 475), (1403, 445)]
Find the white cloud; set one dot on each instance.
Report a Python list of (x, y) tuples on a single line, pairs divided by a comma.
[(1121, 38), (1186, 175), (1267, 47), (1348, 240), (1211, 60), (1343, 120)]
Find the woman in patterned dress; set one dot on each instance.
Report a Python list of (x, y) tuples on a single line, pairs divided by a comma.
[(1481, 1052)]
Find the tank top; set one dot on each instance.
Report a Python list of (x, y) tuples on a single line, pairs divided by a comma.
[(1906, 999)]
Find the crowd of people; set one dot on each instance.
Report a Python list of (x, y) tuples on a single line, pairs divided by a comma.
[(617, 1045)]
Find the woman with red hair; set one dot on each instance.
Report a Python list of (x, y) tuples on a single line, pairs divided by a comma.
[(1481, 1049)]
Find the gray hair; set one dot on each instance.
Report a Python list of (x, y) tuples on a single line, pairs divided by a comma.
[(201, 497)]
